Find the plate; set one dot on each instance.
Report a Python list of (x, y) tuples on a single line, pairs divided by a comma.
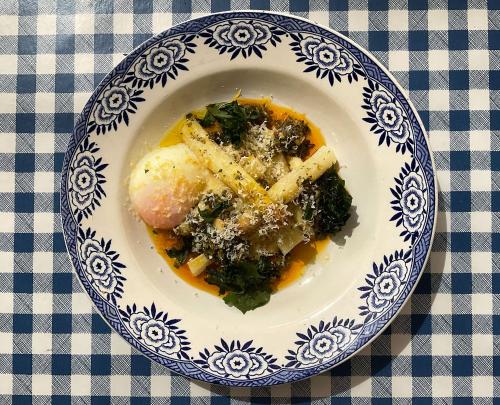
[(351, 291)]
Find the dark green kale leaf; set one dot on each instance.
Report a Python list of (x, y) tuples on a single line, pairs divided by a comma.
[(234, 120), (292, 137), (180, 254), (209, 214), (333, 203), (248, 283)]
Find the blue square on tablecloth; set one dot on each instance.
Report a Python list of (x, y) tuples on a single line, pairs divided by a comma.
[(24, 202), (459, 120), (460, 201), (460, 160), (381, 401), (26, 84), (457, 4), (418, 40), (22, 363), (23, 242), (338, 5), (61, 364), (419, 80), (23, 399), (496, 325), (418, 5), (23, 283), (459, 79), (145, 401), (98, 325), (461, 241), (495, 160), (421, 366), (25, 123), (100, 364), (458, 40), (378, 41), (424, 285), (495, 201), (181, 6), (223, 5), (62, 283), (26, 44), (58, 242), (495, 120), (65, 83), (421, 324), (140, 365), (63, 122), (25, 162), (100, 400), (65, 7), (103, 43), (175, 400), (22, 323), (495, 242), (60, 400), (461, 324), (494, 79), (61, 323), (65, 44), (378, 5), (143, 6), (494, 39), (461, 365), (381, 365), (461, 283), (260, 4), (57, 202)]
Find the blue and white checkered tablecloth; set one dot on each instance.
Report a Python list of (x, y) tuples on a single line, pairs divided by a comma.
[(54, 347)]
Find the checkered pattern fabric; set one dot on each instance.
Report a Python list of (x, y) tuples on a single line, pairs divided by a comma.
[(444, 345)]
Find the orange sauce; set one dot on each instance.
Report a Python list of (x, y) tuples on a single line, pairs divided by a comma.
[(301, 255)]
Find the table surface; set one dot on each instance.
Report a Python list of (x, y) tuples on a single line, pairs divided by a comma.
[(54, 347)]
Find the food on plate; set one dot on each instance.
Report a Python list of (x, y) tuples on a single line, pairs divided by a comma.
[(236, 196)]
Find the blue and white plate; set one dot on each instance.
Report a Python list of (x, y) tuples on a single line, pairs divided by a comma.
[(354, 288)]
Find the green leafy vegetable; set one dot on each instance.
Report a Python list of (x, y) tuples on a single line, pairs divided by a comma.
[(292, 137), (180, 255), (249, 283), (234, 120), (333, 203), (209, 214)]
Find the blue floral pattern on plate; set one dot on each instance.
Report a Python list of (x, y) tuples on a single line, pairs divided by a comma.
[(322, 343), (410, 201), (384, 284), (242, 37), (86, 180), (329, 56), (156, 331), (325, 58), (101, 265), (237, 360), (389, 120)]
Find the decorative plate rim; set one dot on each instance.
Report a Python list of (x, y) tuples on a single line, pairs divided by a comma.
[(111, 314)]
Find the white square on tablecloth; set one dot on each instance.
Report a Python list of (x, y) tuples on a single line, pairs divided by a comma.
[(438, 59), (42, 303), (479, 99), (439, 100), (84, 63), (161, 21), (482, 304), (44, 182), (358, 20), (437, 20), (442, 304), (401, 386), (120, 385), (43, 262), (123, 23), (479, 59), (119, 345), (45, 102), (482, 386), (480, 221), (84, 23), (79, 101), (44, 142), (321, 386), (7, 222), (8, 64), (8, 104), (80, 385), (41, 343), (9, 25), (398, 20), (41, 384), (81, 304), (7, 339), (277, 391), (361, 386), (81, 343), (46, 24), (442, 386), (442, 344), (399, 60), (160, 385), (482, 345), (481, 262), (6, 384), (7, 260), (46, 63), (477, 19), (7, 145), (480, 140), (7, 183)]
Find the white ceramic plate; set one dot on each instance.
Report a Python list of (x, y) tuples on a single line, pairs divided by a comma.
[(353, 289)]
